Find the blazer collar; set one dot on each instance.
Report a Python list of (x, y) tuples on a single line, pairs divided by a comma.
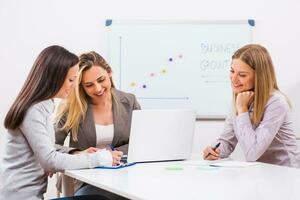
[(119, 96), (117, 119)]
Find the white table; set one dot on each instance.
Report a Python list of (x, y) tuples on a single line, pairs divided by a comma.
[(156, 181)]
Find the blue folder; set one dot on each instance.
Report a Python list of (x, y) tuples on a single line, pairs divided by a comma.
[(122, 165)]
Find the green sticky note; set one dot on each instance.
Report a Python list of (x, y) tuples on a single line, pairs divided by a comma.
[(174, 168)]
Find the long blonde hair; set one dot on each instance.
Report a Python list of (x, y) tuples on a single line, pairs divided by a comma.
[(259, 59), (74, 108)]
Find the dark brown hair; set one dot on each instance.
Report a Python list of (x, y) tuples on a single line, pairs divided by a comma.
[(43, 82)]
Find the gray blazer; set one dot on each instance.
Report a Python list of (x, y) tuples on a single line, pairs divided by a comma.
[(87, 133)]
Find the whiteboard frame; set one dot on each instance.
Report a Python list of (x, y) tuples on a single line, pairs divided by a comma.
[(109, 22)]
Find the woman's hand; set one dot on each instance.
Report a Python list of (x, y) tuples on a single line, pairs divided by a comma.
[(116, 155), (210, 154), (88, 150), (50, 174), (243, 101)]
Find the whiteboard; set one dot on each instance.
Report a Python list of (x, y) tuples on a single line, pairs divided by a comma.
[(176, 64)]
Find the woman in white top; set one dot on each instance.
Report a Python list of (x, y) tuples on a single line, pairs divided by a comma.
[(260, 119), (29, 144), (97, 115)]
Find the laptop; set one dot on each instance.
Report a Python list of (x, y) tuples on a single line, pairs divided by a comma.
[(161, 135)]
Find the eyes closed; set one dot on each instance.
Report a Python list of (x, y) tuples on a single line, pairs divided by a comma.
[(240, 74), (99, 80)]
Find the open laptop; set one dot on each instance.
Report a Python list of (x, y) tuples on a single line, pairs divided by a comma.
[(161, 135)]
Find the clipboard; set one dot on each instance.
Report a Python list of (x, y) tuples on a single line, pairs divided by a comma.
[(122, 165)]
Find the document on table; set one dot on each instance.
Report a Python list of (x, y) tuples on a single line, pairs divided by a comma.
[(196, 163), (232, 163)]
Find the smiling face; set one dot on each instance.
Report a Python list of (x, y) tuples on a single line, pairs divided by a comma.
[(68, 83), (242, 76), (96, 83)]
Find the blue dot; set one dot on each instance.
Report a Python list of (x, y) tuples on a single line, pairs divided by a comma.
[(144, 86), (170, 59)]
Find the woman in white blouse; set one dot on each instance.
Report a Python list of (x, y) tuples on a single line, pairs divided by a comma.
[(96, 115)]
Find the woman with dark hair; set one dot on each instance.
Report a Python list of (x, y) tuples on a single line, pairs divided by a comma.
[(30, 154)]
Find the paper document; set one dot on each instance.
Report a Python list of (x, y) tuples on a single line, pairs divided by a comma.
[(195, 163), (232, 163)]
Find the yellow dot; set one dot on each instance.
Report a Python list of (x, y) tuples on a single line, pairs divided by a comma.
[(163, 71), (133, 84)]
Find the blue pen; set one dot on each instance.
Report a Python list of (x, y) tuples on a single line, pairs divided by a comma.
[(111, 147)]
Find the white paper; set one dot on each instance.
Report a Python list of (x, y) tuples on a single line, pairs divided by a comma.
[(233, 164)]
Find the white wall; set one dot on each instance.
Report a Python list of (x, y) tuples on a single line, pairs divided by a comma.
[(26, 27)]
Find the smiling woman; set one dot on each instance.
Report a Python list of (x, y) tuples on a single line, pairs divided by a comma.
[(260, 119), (96, 114), (242, 76), (30, 155), (68, 83)]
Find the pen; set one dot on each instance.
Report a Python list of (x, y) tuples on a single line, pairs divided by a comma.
[(215, 147), (111, 147)]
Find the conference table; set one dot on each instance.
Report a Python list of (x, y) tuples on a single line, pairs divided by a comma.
[(196, 179)]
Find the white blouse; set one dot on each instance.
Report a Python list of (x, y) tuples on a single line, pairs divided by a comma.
[(104, 135)]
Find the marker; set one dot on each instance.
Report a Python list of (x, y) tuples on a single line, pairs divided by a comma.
[(217, 145)]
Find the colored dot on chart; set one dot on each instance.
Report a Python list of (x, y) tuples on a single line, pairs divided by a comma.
[(152, 74), (133, 84), (144, 86), (163, 71), (170, 59), (180, 56)]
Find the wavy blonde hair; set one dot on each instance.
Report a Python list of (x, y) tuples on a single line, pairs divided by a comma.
[(74, 108), (259, 59)]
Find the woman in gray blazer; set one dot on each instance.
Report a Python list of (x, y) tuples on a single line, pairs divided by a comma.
[(30, 155), (96, 114)]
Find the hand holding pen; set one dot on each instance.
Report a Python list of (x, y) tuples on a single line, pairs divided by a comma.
[(116, 155), (212, 153)]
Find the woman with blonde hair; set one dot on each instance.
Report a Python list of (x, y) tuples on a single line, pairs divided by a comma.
[(260, 120), (96, 114)]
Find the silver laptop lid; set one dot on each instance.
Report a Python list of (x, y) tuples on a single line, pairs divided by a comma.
[(158, 135)]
